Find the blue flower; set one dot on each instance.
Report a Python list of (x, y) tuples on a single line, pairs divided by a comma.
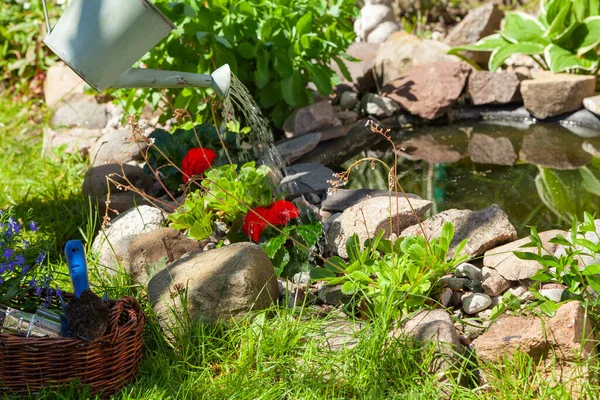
[(40, 258), (19, 259), (14, 225), (8, 253), (1, 280), (58, 292), (32, 282), (25, 269), (38, 291), (33, 226)]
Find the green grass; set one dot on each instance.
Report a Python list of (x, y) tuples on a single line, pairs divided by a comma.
[(275, 354)]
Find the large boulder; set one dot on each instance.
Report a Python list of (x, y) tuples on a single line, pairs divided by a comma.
[(429, 91), (343, 199), (95, 182), (294, 148), (561, 347), (75, 140), (402, 51), (221, 284), (371, 16), (112, 243), (361, 71), (309, 119), (487, 87), (383, 32), (81, 114), (509, 266), (368, 218), (478, 23), (483, 229), (550, 94), (117, 146), (63, 85), (151, 251), (306, 178), (496, 150)]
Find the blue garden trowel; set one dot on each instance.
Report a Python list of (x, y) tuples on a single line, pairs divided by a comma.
[(77, 266)]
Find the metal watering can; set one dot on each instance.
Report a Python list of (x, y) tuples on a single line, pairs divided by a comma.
[(101, 39)]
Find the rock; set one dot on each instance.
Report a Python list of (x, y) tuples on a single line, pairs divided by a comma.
[(429, 91), (306, 178), (485, 149), (333, 295), (112, 243), (557, 345), (339, 333), (382, 32), (474, 285), (592, 104), (361, 72), (63, 85), (423, 318), (478, 23), (583, 260), (483, 229), (402, 51), (95, 181), (548, 94), (309, 119), (558, 153), (118, 204), (117, 146), (292, 149), (493, 283), (454, 283), (475, 302), (510, 267), (80, 114), (552, 294), (225, 283), (151, 251), (76, 140), (487, 87), (466, 270), (521, 293), (375, 213), (374, 104), (426, 147), (343, 198), (446, 297), (346, 117), (591, 148), (348, 100), (582, 123), (371, 16)]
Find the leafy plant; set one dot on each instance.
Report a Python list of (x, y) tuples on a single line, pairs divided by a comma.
[(218, 200), (564, 37), (169, 149), (275, 48), (405, 272), (581, 282)]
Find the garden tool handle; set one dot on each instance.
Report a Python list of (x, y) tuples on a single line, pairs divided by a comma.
[(46, 16)]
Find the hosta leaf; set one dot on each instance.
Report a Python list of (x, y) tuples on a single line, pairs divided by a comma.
[(560, 59), (520, 27), (587, 35), (557, 18), (590, 181), (502, 53), (488, 43)]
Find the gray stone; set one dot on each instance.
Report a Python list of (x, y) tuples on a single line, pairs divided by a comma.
[(309, 119), (371, 16), (95, 180), (582, 123), (333, 295), (429, 91), (427, 147), (446, 297), (454, 283), (483, 229), (425, 317), (348, 100), (117, 146), (552, 294), (222, 284), (62, 85), (592, 104), (512, 268), (112, 243), (80, 114), (551, 94), (374, 104), (151, 251), (346, 117), (382, 32), (484, 149), (361, 72), (583, 259), (493, 283), (558, 153), (343, 198), (487, 87), (521, 293), (118, 203), (306, 178), (76, 140), (292, 149), (402, 51), (476, 302), (369, 218), (478, 23), (466, 270), (474, 285)]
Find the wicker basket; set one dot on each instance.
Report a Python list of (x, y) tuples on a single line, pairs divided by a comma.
[(28, 364)]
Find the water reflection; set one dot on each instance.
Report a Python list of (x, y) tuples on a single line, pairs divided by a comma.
[(542, 175)]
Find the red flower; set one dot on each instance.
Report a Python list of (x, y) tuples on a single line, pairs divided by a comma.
[(196, 161), (278, 213)]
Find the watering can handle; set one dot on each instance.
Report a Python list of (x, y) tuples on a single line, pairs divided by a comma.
[(46, 16)]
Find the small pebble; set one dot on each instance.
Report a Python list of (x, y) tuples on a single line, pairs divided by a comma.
[(209, 246), (475, 302), (466, 270), (454, 283), (446, 297)]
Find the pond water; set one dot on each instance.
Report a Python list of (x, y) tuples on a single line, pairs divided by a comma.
[(541, 174)]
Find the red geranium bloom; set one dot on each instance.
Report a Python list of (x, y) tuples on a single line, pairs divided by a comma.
[(278, 213), (196, 161)]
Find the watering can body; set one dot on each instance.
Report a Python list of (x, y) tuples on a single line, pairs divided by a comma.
[(101, 39)]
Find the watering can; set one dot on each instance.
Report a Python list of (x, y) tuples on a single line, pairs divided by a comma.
[(101, 39)]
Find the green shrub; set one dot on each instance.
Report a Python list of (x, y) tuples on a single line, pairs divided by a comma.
[(564, 37), (275, 48)]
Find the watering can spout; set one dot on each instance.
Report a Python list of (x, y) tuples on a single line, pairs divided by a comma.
[(150, 78)]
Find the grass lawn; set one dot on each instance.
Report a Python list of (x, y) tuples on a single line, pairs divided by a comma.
[(271, 355)]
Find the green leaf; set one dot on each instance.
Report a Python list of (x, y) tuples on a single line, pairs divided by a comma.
[(353, 248), (560, 10), (336, 264), (342, 66), (549, 308), (246, 50), (594, 282), (560, 59), (523, 28), (580, 9), (321, 274), (488, 43), (350, 288), (272, 245), (592, 269), (361, 276), (502, 53), (304, 24), (292, 88), (321, 77), (310, 233), (262, 70), (587, 35), (283, 64)]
